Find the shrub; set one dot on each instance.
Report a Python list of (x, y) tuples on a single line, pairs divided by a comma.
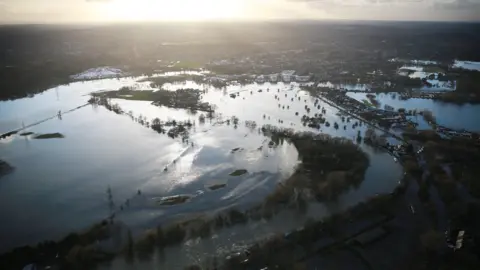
[(433, 240), (146, 243), (193, 267), (236, 216), (423, 193), (428, 116), (174, 234), (80, 257)]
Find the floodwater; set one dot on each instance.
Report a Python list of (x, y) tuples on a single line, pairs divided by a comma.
[(349, 87), (435, 84), (470, 65), (59, 185), (447, 114)]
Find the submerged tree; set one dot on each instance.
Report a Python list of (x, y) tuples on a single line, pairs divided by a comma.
[(111, 204), (201, 119), (157, 125), (210, 115), (433, 240), (428, 116), (129, 251), (359, 137)]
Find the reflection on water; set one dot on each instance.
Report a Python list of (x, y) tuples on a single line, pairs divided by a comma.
[(379, 179), (184, 85), (447, 114), (60, 185), (46, 104), (348, 86)]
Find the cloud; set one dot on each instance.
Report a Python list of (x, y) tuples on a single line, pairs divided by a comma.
[(443, 4), (412, 10), (458, 4), (94, 10), (325, 4), (6, 12)]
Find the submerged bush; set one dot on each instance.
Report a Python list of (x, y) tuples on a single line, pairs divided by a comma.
[(174, 234), (239, 172), (49, 136), (145, 245)]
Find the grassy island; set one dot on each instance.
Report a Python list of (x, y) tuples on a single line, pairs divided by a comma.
[(181, 98), (50, 136)]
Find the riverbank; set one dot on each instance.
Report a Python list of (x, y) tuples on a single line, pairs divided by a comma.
[(82, 252)]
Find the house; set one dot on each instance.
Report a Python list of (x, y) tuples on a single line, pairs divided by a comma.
[(302, 78), (286, 78), (260, 79), (273, 78), (389, 108), (288, 72)]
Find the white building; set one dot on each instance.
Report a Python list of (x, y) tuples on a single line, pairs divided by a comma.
[(260, 79), (302, 78), (273, 77), (288, 72)]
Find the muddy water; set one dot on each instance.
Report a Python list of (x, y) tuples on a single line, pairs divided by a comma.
[(60, 184)]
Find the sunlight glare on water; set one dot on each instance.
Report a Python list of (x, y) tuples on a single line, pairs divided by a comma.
[(102, 149)]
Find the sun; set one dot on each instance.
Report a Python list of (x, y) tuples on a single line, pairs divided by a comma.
[(173, 10)]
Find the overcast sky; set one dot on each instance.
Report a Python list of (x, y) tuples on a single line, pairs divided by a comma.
[(65, 11)]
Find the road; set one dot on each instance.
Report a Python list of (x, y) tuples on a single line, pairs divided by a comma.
[(331, 103), (12, 132)]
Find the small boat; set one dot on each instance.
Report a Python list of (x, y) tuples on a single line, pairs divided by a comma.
[(395, 159)]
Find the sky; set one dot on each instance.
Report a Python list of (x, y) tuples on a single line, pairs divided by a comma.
[(93, 11)]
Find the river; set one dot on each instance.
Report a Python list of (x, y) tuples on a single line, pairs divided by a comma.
[(447, 114), (59, 185)]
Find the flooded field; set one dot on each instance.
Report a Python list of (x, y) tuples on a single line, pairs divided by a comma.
[(60, 184), (431, 78)]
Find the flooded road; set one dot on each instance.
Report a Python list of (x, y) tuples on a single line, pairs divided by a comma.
[(447, 114)]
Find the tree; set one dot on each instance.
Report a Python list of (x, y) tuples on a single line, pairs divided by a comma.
[(156, 122), (370, 134), (428, 116), (411, 166), (433, 240), (423, 193), (359, 137), (129, 244), (193, 267), (201, 119), (160, 237), (382, 140), (111, 204)]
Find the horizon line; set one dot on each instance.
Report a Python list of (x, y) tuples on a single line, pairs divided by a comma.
[(124, 22)]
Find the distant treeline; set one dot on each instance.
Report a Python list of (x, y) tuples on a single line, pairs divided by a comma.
[(34, 58)]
